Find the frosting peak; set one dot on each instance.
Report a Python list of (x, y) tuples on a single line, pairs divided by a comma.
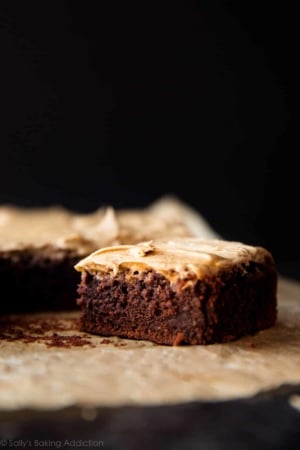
[(175, 255), (22, 228)]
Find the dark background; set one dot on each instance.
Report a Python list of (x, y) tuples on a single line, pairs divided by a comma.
[(120, 103)]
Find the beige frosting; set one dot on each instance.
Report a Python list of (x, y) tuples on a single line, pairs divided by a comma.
[(173, 256), (22, 228)]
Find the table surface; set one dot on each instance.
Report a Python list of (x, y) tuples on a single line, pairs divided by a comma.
[(266, 421)]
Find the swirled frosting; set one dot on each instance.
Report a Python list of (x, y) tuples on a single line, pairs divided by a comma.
[(23, 228), (173, 256)]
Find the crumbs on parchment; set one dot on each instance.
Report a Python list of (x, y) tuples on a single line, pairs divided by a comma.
[(30, 329)]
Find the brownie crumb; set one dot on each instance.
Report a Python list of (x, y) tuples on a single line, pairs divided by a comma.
[(31, 328), (57, 340), (105, 341), (179, 339), (251, 345)]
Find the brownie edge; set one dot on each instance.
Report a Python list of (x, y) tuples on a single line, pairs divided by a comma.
[(35, 280), (221, 302)]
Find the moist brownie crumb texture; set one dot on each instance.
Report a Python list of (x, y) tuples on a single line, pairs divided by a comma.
[(178, 291), (39, 248)]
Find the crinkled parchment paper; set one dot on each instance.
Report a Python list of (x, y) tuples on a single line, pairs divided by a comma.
[(45, 362)]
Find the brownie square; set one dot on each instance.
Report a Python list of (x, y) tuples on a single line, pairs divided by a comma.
[(178, 291)]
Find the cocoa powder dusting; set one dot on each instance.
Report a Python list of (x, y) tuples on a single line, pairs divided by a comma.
[(57, 340), (105, 341), (49, 330)]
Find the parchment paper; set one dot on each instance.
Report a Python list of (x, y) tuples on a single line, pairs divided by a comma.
[(36, 371), (45, 362)]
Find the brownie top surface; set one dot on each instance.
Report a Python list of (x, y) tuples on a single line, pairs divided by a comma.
[(174, 256)]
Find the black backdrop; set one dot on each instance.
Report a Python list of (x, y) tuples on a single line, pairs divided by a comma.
[(121, 102)]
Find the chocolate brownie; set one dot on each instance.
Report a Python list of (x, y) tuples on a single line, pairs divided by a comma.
[(178, 291), (40, 246)]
